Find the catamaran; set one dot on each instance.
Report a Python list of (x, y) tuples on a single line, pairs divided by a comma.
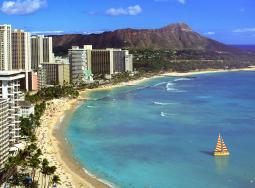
[(221, 148)]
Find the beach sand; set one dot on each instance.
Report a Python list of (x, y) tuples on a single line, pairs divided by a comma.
[(54, 146)]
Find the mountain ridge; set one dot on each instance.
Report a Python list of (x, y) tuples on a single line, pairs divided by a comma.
[(173, 36)]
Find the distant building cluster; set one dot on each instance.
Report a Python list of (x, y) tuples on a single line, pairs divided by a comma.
[(27, 63), (87, 62)]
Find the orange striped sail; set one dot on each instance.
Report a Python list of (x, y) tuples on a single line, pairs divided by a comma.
[(221, 148)]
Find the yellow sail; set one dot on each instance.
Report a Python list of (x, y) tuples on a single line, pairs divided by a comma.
[(221, 148)]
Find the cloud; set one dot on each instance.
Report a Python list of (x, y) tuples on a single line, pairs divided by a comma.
[(210, 33), (244, 30), (47, 32), (92, 32), (22, 7), (131, 11)]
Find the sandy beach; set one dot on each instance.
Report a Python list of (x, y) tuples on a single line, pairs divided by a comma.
[(54, 146)]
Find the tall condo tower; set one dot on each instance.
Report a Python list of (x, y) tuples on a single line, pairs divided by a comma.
[(21, 51), (5, 47), (79, 59), (41, 51), (10, 91), (4, 132)]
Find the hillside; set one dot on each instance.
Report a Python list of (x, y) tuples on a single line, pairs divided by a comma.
[(174, 47), (174, 36)]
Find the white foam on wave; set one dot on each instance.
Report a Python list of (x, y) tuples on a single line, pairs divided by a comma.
[(78, 106), (101, 180), (61, 118), (162, 103), (163, 114), (181, 79), (159, 84), (88, 106), (169, 87)]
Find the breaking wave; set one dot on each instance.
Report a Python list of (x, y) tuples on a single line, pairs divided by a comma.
[(163, 114), (159, 84), (162, 103), (91, 106), (181, 79), (169, 87)]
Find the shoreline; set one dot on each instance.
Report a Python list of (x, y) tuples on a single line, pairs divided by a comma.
[(159, 75), (55, 147)]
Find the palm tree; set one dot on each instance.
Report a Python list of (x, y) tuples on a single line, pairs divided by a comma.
[(50, 171), (34, 163), (44, 169), (56, 180)]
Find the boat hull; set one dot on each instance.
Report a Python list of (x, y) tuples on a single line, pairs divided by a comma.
[(221, 154)]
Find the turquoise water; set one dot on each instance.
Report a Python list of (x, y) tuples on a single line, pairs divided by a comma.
[(160, 134)]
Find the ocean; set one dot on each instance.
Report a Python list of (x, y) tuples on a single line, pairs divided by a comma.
[(161, 133)]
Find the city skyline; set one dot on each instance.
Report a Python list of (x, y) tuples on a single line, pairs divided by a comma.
[(227, 22)]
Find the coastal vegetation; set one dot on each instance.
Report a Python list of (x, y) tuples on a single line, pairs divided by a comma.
[(150, 60), (20, 169), (53, 92)]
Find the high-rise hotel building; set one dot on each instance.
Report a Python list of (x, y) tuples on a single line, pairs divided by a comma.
[(41, 51), (10, 91), (48, 55), (87, 61), (4, 132), (57, 73), (80, 63), (21, 51), (5, 47), (111, 61)]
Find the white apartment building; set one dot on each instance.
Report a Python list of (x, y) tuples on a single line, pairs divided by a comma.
[(4, 132), (10, 90), (129, 62), (42, 77), (26, 109), (5, 47), (79, 59), (41, 51)]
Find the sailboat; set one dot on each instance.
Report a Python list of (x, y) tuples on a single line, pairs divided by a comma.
[(221, 148)]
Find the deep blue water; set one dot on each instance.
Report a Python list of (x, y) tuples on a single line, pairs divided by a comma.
[(160, 134)]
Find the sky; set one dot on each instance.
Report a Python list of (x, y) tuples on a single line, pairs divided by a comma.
[(228, 21)]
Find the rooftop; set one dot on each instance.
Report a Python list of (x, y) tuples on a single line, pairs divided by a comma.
[(11, 75), (25, 104)]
